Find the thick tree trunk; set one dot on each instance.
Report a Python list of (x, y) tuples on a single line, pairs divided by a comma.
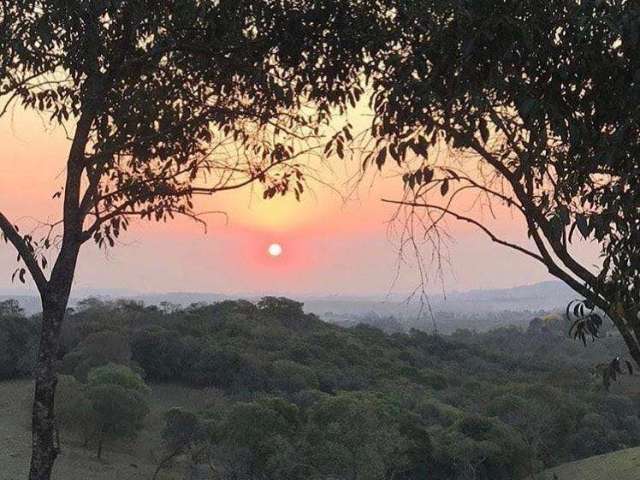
[(628, 328), (55, 299), (55, 296), (43, 428)]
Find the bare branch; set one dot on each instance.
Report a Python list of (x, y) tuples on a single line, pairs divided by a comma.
[(491, 235)]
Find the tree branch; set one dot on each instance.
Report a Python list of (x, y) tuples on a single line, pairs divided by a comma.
[(529, 207), (24, 251), (546, 259), (463, 218)]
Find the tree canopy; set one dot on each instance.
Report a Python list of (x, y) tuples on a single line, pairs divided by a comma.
[(537, 103), (177, 99), (165, 101), (532, 105), (359, 390)]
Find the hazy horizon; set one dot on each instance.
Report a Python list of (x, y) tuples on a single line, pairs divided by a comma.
[(331, 245), (108, 292)]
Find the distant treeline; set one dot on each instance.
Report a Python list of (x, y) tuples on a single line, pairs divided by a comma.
[(440, 321), (301, 398)]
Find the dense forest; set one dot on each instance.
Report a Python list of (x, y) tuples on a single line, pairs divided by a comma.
[(293, 397)]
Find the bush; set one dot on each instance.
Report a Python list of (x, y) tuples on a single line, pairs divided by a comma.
[(485, 446), (159, 352), (291, 377), (118, 399), (95, 350), (18, 344), (74, 410)]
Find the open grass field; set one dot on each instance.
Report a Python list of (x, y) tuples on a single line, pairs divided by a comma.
[(620, 465), (125, 461)]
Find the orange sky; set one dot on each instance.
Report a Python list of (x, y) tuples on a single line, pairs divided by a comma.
[(330, 246)]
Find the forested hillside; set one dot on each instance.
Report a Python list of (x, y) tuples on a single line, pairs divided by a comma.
[(293, 397)]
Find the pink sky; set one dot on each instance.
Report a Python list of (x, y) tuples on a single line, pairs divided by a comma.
[(330, 247)]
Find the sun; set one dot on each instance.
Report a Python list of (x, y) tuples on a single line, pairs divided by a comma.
[(275, 250)]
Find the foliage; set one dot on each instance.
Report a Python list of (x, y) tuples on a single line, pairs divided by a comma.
[(118, 400), (352, 436), (18, 341), (536, 106), (167, 101), (119, 375), (292, 377), (111, 404), (183, 429), (96, 350), (256, 440), (11, 307), (298, 394), (74, 409)]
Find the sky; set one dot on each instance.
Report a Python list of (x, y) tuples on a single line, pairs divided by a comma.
[(331, 245)]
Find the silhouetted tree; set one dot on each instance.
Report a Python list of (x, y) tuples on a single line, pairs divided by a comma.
[(533, 105), (165, 101)]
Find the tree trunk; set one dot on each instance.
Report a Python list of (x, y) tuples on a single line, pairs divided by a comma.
[(55, 295), (624, 322), (55, 299), (44, 449), (100, 442)]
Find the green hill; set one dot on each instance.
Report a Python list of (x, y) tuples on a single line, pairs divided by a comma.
[(264, 385), (620, 465)]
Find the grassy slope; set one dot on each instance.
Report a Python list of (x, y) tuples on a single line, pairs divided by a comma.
[(132, 461), (620, 465)]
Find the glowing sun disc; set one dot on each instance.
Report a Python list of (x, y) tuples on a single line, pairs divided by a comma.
[(275, 250)]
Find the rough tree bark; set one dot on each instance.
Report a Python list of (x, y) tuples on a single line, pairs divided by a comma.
[(43, 421)]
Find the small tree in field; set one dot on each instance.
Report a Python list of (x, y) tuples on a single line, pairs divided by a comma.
[(534, 105), (74, 411), (118, 398), (165, 101), (182, 433)]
